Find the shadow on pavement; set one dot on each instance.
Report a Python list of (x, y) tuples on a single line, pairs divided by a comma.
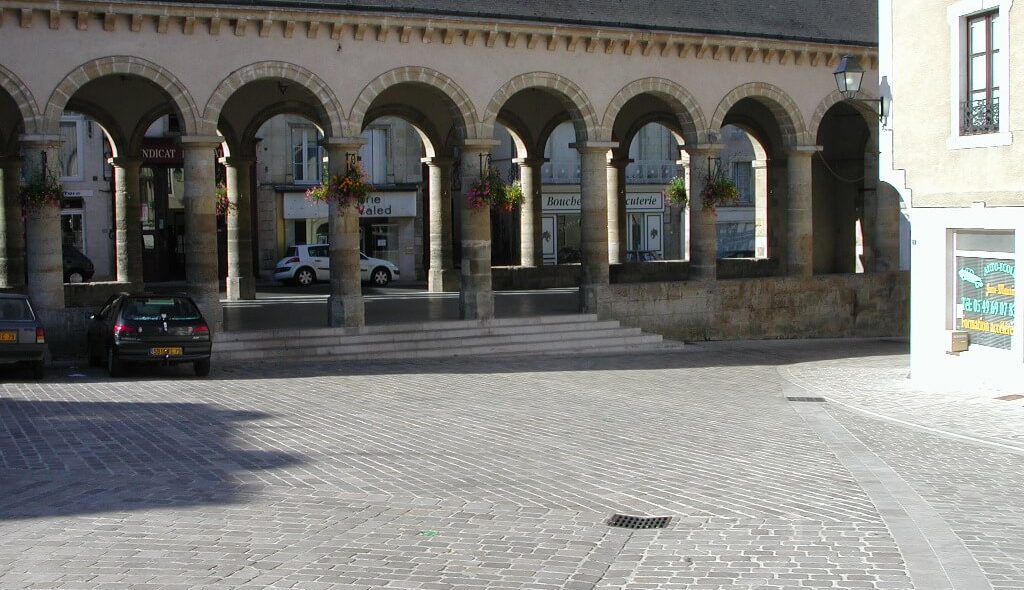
[(62, 458)]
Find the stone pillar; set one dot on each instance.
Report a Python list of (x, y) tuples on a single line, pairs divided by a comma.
[(128, 221), (202, 275), (531, 226), (12, 227), (476, 297), (345, 302), (442, 275), (43, 251), (703, 239), (617, 233), (676, 243), (799, 216), (593, 221), (241, 284), (760, 172), (887, 229)]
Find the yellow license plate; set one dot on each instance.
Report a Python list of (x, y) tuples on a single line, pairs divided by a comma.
[(166, 351), (9, 336)]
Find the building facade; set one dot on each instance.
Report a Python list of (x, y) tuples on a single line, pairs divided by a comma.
[(950, 148)]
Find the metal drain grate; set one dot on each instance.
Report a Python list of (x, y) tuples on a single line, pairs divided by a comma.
[(819, 400), (639, 522)]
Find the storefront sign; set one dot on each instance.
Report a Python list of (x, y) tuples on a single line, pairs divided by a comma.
[(78, 194), (378, 204), (570, 203), (986, 289), (157, 150)]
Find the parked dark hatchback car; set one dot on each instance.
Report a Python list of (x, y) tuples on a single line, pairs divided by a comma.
[(77, 266), (143, 328), (22, 338)]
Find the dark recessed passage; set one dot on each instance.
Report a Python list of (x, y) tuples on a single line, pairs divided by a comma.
[(639, 522), (819, 400)]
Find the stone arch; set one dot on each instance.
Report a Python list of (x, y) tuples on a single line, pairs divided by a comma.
[(22, 97), (782, 106), (834, 98), (583, 115), (126, 65), (462, 110), (333, 112), (687, 110)]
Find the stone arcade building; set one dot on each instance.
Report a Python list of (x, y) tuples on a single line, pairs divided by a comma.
[(455, 70)]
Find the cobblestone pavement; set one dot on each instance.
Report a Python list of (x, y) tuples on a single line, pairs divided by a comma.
[(490, 474)]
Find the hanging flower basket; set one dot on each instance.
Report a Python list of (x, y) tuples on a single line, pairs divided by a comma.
[(718, 191), (224, 205), (350, 188), (676, 193), (513, 197), (42, 190), (487, 191)]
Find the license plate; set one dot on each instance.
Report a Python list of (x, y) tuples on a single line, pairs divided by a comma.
[(9, 336), (166, 351)]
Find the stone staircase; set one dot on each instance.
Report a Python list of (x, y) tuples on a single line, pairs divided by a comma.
[(559, 334)]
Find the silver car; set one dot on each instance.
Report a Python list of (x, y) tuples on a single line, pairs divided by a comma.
[(306, 264), (22, 337)]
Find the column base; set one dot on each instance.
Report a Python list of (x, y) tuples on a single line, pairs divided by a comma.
[(444, 279), (591, 297), (213, 312), (241, 288), (346, 311), (476, 305)]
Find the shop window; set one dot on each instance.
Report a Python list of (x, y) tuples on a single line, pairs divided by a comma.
[(71, 146), (978, 30), (735, 239), (306, 160), (984, 276), (742, 175), (374, 155), (71, 229)]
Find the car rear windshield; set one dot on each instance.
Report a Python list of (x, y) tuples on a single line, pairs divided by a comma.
[(159, 308), (15, 309)]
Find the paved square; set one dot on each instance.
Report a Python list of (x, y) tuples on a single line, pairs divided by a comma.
[(484, 473)]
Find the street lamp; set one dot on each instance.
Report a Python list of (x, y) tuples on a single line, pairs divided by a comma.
[(849, 76)]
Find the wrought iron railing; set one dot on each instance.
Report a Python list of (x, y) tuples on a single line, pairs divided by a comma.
[(979, 116)]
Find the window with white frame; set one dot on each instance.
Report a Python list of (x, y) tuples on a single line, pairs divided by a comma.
[(374, 155), (69, 166), (980, 97), (743, 177), (306, 160)]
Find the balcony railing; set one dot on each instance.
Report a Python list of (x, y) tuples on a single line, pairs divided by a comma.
[(979, 116)]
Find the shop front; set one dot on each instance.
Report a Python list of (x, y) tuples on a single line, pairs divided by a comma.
[(387, 225), (161, 183), (645, 217)]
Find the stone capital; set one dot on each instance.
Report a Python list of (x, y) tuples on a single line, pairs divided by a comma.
[(125, 162), (700, 150), (336, 145), (530, 162), (440, 161), (803, 151), (198, 142), (594, 146), (237, 161), (478, 146), (620, 163), (40, 141)]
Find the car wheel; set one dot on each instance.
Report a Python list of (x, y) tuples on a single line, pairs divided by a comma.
[(380, 277), (75, 277), (114, 365), (38, 368), (305, 276), (201, 367)]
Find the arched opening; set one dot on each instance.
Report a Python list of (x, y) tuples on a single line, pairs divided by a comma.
[(845, 199), (12, 242)]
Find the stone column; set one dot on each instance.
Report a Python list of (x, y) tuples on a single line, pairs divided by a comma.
[(676, 244), (43, 240), (531, 226), (887, 229), (202, 275), (241, 284), (345, 302), (799, 217), (593, 221), (128, 221), (442, 275), (476, 297), (760, 171), (703, 239), (617, 233), (12, 226)]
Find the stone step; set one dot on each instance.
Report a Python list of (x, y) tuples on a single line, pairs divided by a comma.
[(436, 336), (344, 347), (289, 333), (560, 346)]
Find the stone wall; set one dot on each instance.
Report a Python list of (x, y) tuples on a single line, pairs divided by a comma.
[(822, 306)]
